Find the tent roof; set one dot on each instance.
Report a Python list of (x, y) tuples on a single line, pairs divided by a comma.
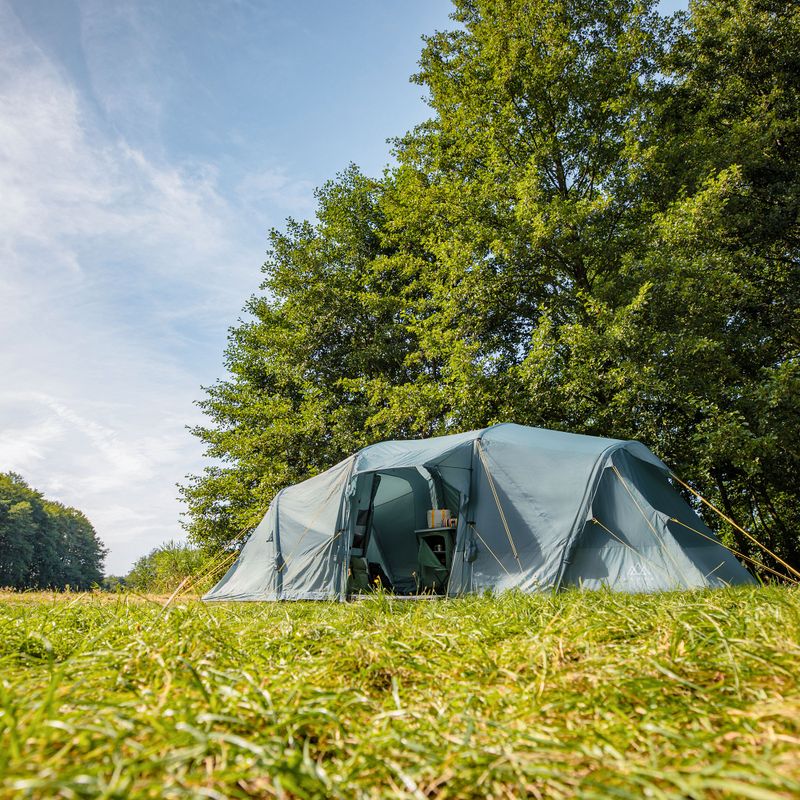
[(418, 452)]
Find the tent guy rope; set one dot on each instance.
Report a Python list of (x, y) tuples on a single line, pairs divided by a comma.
[(738, 527), (496, 558), (736, 552)]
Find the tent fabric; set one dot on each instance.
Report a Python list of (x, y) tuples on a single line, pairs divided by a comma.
[(536, 510), (291, 552)]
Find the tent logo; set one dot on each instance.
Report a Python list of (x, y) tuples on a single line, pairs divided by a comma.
[(639, 571)]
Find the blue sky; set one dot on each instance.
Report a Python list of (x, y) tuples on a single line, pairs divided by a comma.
[(145, 150)]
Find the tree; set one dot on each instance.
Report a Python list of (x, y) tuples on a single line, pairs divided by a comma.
[(81, 553), (44, 544), (525, 189), (727, 252), (16, 541), (163, 568), (113, 583), (294, 403), (597, 230)]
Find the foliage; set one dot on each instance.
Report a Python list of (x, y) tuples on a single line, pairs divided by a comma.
[(726, 254), (164, 567), (576, 694), (113, 583), (597, 231), (44, 544)]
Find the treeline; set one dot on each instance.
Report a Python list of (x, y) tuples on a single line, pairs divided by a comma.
[(44, 544), (596, 230)]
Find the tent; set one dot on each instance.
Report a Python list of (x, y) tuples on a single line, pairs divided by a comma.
[(530, 509)]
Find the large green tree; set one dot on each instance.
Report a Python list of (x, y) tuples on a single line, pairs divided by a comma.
[(597, 230), (696, 350), (725, 260), (526, 191), (327, 322)]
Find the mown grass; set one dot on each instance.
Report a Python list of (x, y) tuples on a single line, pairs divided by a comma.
[(578, 694)]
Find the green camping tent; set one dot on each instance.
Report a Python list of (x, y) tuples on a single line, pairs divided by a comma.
[(529, 509)]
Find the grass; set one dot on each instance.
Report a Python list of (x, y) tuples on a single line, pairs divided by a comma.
[(590, 694)]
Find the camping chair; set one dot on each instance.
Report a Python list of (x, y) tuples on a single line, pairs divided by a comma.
[(358, 579)]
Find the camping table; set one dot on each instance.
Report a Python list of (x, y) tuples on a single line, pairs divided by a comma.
[(430, 535)]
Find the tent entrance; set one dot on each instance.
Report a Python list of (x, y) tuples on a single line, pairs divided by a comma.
[(391, 541)]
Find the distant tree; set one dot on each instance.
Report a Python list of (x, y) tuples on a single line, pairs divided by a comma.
[(44, 544), (82, 554), (17, 532), (113, 583), (164, 567)]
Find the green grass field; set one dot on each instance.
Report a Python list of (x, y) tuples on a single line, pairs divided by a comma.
[(578, 694)]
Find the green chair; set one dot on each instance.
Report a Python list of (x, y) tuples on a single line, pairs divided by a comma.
[(358, 579)]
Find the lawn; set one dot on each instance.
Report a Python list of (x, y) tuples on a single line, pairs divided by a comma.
[(682, 695)]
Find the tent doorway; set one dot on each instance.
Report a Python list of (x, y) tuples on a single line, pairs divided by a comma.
[(392, 543)]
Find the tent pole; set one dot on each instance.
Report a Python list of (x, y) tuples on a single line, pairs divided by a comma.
[(499, 506)]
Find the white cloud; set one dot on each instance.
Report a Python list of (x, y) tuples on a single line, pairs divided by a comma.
[(65, 191), (275, 187), (119, 274), (26, 445)]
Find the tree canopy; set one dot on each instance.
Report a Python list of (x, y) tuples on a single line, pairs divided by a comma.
[(596, 231), (44, 544)]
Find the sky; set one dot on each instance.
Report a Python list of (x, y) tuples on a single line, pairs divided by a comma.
[(146, 148)]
